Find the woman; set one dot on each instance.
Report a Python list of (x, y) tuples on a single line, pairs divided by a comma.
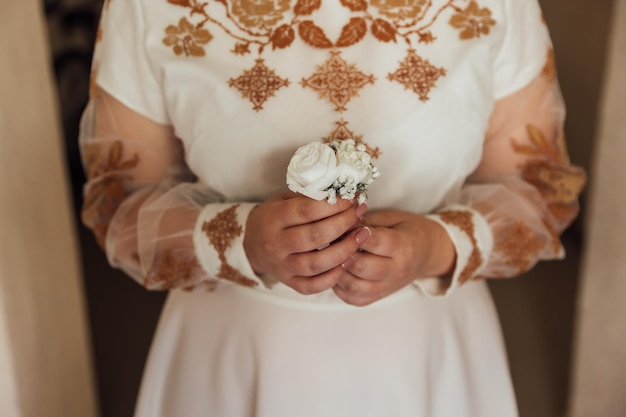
[(282, 305)]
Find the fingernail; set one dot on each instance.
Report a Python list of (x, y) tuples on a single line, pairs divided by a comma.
[(361, 209), (347, 262), (363, 235)]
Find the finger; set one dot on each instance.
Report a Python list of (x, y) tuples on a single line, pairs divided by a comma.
[(358, 300), (369, 267), (302, 210), (310, 236), (317, 284), (382, 242), (385, 218), (316, 262)]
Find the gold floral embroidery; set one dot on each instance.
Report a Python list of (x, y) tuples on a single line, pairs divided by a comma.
[(221, 231), (259, 13), (463, 220), (172, 272), (99, 33), (262, 23), (106, 193), (342, 132), (473, 21), (258, 84), (337, 81), (520, 247), (93, 85), (558, 182), (417, 74), (185, 38), (549, 68), (399, 9)]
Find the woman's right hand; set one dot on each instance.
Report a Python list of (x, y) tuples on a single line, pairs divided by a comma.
[(302, 242)]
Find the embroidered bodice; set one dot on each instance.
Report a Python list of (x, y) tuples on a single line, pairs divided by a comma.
[(457, 100)]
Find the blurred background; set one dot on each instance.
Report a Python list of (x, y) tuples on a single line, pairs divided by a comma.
[(113, 319)]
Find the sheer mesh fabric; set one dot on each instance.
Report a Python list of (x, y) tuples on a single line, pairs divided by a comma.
[(525, 186), (140, 199)]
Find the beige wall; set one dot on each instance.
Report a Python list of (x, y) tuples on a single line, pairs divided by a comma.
[(599, 383), (43, 339)]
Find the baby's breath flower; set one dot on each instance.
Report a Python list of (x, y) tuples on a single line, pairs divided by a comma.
[(349, 172)]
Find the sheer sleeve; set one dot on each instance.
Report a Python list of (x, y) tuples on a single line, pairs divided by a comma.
[(513, 208), (154, 220)]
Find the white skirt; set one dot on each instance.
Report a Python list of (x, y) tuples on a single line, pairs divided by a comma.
[(239, 352)]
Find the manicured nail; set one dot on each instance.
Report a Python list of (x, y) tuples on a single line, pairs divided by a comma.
[(363, 235), (361, 209), (347, 263)]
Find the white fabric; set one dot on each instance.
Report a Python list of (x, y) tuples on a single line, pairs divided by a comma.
[(235, 352)]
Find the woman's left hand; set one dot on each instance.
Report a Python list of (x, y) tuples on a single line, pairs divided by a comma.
[(402, 247)]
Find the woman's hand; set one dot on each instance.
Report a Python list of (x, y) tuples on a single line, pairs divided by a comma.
[(302, 242), (402, 247)]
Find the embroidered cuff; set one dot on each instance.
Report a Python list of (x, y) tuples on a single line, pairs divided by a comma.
[(218, 241), (473, 240)]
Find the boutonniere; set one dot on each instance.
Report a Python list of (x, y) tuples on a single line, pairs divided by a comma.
[(326, 170)]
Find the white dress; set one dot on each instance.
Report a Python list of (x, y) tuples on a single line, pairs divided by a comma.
[(243, 84)]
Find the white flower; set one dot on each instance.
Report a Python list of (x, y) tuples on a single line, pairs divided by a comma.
[(341, 167), (312, 169)]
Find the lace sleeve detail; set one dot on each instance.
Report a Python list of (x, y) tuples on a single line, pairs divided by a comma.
[(154, 220), (523, 194), (535, 197)]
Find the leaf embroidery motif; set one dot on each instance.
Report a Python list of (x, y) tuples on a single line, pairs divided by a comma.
[(313, 35), (355, 5), (306, 7), (282, 37), (352, 32), (548, 169), (383, 31)]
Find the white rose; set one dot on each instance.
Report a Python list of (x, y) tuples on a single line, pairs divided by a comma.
[(312, 169)]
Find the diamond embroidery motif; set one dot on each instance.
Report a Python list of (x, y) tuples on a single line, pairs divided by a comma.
[(337, 81), (342, 132), (258, 84), (417, 74), (222, 230)]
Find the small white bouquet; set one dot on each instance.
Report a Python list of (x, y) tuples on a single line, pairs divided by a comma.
[(324, 170)]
